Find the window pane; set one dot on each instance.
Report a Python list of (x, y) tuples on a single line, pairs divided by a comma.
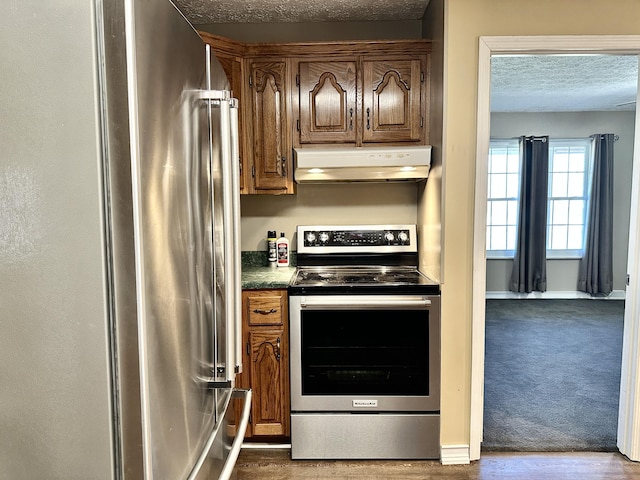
[(560, 160), (511, 237), (576, 184), (576, 212), (498, 186), (512, 212), (558, 237), (513, 160), (512, 185), (574, 240), (499, 238), (559, 185), (559, 212), (499, 213), (576, 159), (498, 160)]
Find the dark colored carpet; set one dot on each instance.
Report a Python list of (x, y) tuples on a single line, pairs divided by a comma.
[(552, 375)]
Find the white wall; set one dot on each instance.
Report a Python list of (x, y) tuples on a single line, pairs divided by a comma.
[(562, 274)]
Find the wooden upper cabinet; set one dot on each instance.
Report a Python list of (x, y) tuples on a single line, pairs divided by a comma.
[(391, 100), (359, 93), (233, 68), (328, 107), (270, 145), (368, 99)]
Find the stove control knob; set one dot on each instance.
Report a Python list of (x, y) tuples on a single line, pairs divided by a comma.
[(311, 237), (403, 237), (389, 237), (324, 237)]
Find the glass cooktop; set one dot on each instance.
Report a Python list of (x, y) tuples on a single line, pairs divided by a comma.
[(354, 277)]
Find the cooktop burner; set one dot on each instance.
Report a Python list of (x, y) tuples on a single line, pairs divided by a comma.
[(325, 280), (364, 259), (357, 275)]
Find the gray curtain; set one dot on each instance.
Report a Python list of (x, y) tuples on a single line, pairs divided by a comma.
[(596, 267), (529, 271)]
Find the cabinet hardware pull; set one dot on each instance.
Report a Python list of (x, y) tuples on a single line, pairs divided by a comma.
[(248, 348), (368, 119), (276, 349), (351, 118), (265, 312), (283, 161)]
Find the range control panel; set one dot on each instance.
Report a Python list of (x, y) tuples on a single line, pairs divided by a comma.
[(316, 239)]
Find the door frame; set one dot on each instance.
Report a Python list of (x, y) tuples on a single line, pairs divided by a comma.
[(628, 440)]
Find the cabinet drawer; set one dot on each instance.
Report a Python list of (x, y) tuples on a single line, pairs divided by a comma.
[(265, 309)]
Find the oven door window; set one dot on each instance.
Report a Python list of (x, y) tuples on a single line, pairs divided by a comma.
[(365, 352)]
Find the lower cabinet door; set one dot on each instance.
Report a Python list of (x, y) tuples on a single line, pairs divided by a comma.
[(266, 362)]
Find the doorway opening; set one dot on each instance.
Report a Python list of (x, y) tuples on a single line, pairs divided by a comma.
[(491, 46)]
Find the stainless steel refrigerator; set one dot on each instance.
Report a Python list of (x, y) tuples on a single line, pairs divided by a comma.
[(119, 246)]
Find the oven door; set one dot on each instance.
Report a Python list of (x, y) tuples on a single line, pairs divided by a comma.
[(365, 353)]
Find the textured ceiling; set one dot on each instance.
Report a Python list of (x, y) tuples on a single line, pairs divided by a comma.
[(563, 83), (201, 12)]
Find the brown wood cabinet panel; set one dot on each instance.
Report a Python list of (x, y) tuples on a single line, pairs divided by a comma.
[(271, 149), (265, 310), (328, 109), (233, 67), (391, 100), (266, 362), (268, 414)]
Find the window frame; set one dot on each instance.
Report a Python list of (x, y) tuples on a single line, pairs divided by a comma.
[(557, 253), (510, 143)]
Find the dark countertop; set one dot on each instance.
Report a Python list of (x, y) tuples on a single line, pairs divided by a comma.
[(257, 274)]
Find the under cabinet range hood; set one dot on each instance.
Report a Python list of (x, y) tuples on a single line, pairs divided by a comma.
[(362, 164)]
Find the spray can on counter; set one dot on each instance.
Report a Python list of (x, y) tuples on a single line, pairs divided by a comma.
[(282, 245), (272, 251)]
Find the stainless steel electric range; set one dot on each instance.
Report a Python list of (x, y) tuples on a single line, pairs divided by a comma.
[(365, 346)]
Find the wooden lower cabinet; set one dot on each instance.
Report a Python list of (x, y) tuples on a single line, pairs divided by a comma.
[(265, 335)]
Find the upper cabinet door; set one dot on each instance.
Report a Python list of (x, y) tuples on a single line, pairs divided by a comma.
[(328, 109), (271, 154), (392, 100)]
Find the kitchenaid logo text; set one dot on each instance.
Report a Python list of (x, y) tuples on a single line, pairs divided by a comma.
[(364, 403)]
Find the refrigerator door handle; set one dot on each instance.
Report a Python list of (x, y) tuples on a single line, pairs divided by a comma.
[(221, 99), (230, 234), (235, 258), (230, 462)]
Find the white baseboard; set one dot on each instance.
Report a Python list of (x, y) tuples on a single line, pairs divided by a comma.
[(615, 295), (266, 446), (454, 455)]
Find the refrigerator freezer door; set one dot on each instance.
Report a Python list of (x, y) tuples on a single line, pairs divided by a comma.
[(171, 184)]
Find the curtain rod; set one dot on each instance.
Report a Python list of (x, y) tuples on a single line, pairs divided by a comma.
[(615, 137)]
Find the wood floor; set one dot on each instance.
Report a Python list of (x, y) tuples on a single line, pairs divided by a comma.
[(258, 464)]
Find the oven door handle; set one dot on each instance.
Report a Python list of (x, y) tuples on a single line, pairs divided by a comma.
[(360, 303)]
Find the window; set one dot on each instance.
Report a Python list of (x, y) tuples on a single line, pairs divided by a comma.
[(567, 203), (502, 206), (568, 196)]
